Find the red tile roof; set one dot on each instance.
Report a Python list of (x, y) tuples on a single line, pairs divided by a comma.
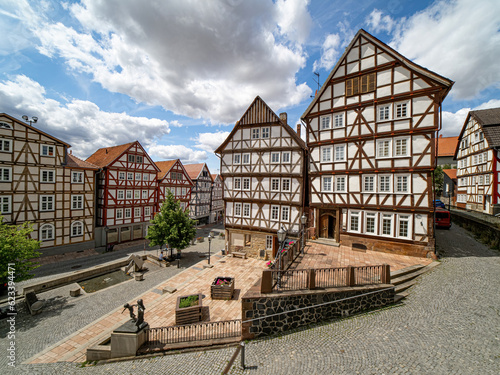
[(74, 162), (107, 155), (164, 166), (447, 146), (451, 173), (194, 170)]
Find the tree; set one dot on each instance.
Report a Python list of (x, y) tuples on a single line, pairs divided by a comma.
[(17, 249), (438, 181), (171, 226)]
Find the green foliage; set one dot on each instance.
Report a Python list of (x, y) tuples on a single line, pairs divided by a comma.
[(188, 301), (17, 247), (438, 180), (171, 226)]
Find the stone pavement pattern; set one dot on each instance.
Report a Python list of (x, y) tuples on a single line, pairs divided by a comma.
[(448, 325)]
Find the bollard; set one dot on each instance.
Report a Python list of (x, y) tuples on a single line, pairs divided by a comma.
[(178, 262), (242, 354)]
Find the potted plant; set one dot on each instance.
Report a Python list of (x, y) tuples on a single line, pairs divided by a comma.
[(222, 288), (200, 239), (188, 309)]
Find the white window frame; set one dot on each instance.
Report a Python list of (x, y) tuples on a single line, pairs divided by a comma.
[(50, 174), (325, 122), (145, 177), (340, 181), (384, 112), (3, 143), (78, 179), (275, 213), (48, 201), (237, 183), (147, 210), (327, 184), (74, 225), (355, 215), (5, 174), (5, 204), (246, 158), (77, 202), (128, 213), (266, 133), (381, 188), (137, 212), (285, 214), (339, 153), (371, 215), (121, 176), (137, 194), (45, 151), (373, 183), (404, 218), (131, 158), (275, 158), (269, 242), (139, 159), (45, 230), (398, 182), (246, 210), (286, 157), (144, 194), (236, 159), (286, 184), (406, 146), (326, 154), (338, 121), (130, 176), (138, 177), (255, 133), (128, 194), (387, 153), (389, 217), (119, 213), (237, 209), (401, 110), (275, 184), (246, 181)]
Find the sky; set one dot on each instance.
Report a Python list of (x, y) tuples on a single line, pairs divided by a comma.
[(177, 75)]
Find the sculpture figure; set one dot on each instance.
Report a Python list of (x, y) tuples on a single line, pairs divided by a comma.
[(131, 311)]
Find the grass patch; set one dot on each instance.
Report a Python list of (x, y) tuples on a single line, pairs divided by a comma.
[(188, 301)]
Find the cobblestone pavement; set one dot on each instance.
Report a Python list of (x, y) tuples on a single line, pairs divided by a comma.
[(450, 324)]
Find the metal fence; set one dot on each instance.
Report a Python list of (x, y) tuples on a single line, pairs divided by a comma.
[(290, 280), (162, 336)]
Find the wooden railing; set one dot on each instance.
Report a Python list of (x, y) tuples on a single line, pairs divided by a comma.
[(301, 279)]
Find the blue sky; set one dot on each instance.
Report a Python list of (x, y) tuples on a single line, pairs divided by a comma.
[(177, 75)]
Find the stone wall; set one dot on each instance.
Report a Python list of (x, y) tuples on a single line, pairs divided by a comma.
[(487, 232), (258, 243), (256, 305)]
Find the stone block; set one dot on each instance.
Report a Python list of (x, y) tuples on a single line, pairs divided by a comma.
[(169, 289), (75, 292)]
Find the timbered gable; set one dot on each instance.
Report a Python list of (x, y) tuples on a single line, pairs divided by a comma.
[(174, 178), (201, 192)]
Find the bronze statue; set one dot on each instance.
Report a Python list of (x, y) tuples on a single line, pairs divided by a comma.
[(139, 320), (130, 310)]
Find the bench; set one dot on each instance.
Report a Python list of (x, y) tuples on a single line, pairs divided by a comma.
[(154, 260), (34, 305), (239, 254)]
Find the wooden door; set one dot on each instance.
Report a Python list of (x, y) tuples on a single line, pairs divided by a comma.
[(323, 226)]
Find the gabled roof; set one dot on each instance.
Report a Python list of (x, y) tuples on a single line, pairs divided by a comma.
[(166, 166), (106, 155), (259, 113), (35, 129), (446, 146), (451, 173), (74, 162), (393, 53), (194, 170)]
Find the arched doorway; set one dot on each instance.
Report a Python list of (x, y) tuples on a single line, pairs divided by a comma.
[(327, 225)]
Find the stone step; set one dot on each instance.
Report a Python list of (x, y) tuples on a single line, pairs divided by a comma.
[(398, 297), (325, 241), (406, 280)]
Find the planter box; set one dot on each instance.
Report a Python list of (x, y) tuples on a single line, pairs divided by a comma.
[(222, 291), (188, 315)]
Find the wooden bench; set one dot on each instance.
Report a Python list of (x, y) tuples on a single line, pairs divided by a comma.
[(33, 303), (239, 254)]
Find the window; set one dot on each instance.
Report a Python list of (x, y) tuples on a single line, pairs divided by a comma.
[(129, 194), (487, 179), (237, 183), (119, 213), (384, 148), (325, 122), (128, 213), (237, 159), (248, 240), (131, 158), (77, 177), (352, 86), (145, 177), (481, 180), (367, 83), (48, 176), (285, 213), (384, 112), (5, 174), (384, 184), (46, 232), (237, 209), (401, 147), (246, 209), (285, 157), (76, 202), (5, 204), (402, 184), (369, 183), (138, 159), (137, 211), (5, 145), (255, 133), (404, 224), (144, 194), (340, 183), (480, 198), (475, 159), (275, 184), (275, 157), (401, 110), (121, 175), (76, 229), (46, 203), (327, 184), (269, 242), (354, 222), (147, 210), (285, 184), (340, 153), (4, 125), (480, 158), (386, 225), (371, 223), (338, 120), (47, 150), (265, 132), (137, 194), (246, 158), (138, 177), (356, 85), (130, 176), (246, 183), (326, 154), (275, 212)]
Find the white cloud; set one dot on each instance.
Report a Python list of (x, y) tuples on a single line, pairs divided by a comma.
[(205, 59), (329, 52), (211, 141), (457, 39), (169, 152), (80, 123), (377, 22), (453, 122), (493, 103)]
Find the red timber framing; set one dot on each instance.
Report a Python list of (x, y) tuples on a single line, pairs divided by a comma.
[(173, 177), (371, 133), (263, 168), (126, 191)]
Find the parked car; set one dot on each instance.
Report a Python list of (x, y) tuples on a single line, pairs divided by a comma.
[(443, 218), (439, 203)]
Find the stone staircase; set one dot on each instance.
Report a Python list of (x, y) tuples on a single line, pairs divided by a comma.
[(407, 277)]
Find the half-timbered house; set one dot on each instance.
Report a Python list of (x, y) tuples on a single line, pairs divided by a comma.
[(263, 173), (43, 184), (126, 192), (371, 138), (174, 178), (478, 162), (201, 192), (217, 203)]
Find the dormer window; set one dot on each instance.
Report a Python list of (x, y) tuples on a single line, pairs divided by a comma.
[(4, 125)]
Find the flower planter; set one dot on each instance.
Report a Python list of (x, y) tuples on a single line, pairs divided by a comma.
[(222, 288), (200, 239), (190, 314)]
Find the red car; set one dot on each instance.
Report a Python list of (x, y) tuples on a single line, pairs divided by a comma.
[(443, 218)]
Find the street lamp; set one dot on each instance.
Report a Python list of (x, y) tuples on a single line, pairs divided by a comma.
[(303, 221), (210, 237), (34, 119), (281, 240)]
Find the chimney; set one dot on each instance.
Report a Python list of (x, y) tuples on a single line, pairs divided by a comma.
[(298, 129), (106, 151), (283, 117), (440, 136)]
